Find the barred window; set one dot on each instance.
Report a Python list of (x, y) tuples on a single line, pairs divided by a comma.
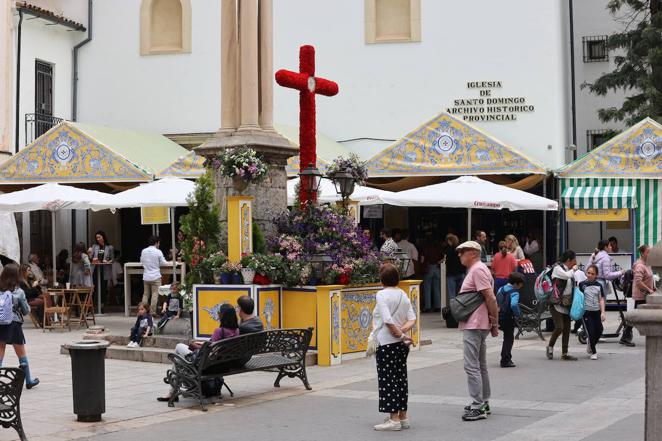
[(595, 49)]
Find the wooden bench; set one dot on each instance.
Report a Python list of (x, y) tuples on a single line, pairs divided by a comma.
[(532, 318), (11, 386), (280, 350)]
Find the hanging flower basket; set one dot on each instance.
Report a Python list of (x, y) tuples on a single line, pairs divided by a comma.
[(243, 165)]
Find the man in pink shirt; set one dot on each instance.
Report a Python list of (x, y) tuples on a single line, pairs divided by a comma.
[(483, 321)]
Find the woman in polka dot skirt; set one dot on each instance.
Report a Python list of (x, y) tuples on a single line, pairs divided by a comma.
[(394, 316)]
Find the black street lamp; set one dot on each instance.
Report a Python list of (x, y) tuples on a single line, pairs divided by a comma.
[(344, 183), (309, 179), (400, 259), (319, 264)]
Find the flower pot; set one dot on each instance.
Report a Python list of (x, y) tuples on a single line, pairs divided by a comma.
[(236, 279), (217, 277), (239, 183), (226, 278), (248, 274)]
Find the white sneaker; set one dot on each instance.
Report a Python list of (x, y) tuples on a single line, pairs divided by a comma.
[(404, 424), (130, 345), (389, 426), (594, 356)]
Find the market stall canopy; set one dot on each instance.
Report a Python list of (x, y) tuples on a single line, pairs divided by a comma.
[(448, 146), (167, 192), (470, 192), (189, 166), (598, 197), (635, 153), (83, 153), (327, 193)]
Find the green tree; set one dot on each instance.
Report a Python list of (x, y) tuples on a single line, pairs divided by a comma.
[(202, 230), (638, 61)]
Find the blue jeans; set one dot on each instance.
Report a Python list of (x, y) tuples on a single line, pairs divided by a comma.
[(453, 284), (432, 288)]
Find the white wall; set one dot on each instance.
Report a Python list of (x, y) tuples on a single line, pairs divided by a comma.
[(386, 90), (172, 93), (592, 19), (52, 44)]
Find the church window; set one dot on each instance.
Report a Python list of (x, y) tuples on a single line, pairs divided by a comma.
[(165, 26), (392, 21)]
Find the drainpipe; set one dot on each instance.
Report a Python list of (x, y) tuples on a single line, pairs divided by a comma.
[(18, 80), (572, 80), (74, 88)]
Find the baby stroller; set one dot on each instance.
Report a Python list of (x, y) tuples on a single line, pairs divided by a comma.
[(623, 284)]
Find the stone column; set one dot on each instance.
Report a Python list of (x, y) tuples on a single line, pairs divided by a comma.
[(647, 319), (248, 65), (229, 65), (247, 103), (266, 64), (6, 80)]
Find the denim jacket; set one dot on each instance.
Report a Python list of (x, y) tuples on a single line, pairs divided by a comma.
[(20, 305)]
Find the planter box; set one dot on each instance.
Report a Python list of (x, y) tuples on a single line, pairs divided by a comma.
[(341, 315)]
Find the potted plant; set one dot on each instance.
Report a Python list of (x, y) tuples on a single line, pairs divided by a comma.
[(268, 268), (248, 268), (216, 262), (234, 271), (226, 272), (243, 165)]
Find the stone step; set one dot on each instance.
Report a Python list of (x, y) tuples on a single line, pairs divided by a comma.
[(157, 355), (167, 342)]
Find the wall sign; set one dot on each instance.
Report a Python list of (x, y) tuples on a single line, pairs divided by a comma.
[(598, 215), (154, 215), (487, 106)]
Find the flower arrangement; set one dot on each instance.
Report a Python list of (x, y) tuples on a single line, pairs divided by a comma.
[(231, 267), (352, 165), (217, 260), (313, 230), (241, 162)]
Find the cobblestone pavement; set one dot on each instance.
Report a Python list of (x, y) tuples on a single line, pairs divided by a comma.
[(538, 400)]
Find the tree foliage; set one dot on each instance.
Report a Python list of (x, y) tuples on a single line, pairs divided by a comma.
[(201, 228), (638, 60)]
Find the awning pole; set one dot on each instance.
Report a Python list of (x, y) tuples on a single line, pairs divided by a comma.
[(468, 223), (54, 281), (173, 251)]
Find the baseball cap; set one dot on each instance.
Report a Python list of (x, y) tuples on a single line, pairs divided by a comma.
[(469, 245)]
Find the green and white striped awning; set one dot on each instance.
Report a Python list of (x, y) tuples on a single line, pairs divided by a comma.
[(598, 197)]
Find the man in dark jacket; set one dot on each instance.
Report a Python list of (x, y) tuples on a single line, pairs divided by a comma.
[(249, 322)]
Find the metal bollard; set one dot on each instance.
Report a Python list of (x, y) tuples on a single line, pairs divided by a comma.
[(88, 378)]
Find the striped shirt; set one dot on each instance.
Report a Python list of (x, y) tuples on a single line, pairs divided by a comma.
[(592, 292)]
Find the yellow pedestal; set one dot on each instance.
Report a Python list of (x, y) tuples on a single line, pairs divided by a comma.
[(240, 227)]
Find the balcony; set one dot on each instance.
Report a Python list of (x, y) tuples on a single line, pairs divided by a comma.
[(36, 124)]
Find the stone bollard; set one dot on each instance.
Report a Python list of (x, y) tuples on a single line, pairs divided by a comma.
[(647, 319)]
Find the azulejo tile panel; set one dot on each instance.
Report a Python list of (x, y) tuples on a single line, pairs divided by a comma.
[(446, 145), (635, 153), (66, 154)]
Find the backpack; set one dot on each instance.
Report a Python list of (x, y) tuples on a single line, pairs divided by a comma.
[(544, 287), (6, 308), (503, 300), (558, 295)]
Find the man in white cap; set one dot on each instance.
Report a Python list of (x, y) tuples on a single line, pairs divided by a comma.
[(483, 321)]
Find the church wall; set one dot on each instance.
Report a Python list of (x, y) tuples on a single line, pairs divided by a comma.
[(386, 89)]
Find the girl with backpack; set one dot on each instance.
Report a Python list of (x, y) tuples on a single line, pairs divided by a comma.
[(13, 306), (594, 304), (563, 280), (508, 300)]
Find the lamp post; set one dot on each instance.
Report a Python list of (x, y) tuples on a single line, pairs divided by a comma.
[(400, 259), (344, 183), (319, 263), (309, 179)]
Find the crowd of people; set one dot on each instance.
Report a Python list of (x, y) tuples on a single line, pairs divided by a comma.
[(498, 289)]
